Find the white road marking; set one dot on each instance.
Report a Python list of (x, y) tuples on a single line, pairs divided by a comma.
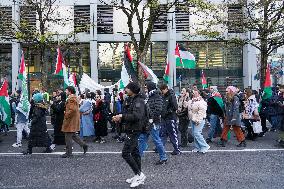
[(113, 152), (14, 130)]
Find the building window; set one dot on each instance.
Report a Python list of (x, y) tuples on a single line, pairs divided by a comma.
[(82, 18), (6, 63), (161, 24), (28, 17), (182, 18), (235, 19), (105, 19), (5, 21)]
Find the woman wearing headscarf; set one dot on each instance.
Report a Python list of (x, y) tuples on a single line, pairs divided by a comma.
[(100, 120), (38, 136), (87, 122), (250, 113), (232, 117), (58, 108)]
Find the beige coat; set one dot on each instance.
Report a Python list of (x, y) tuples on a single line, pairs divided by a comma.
[(71, 122), (197, 109)]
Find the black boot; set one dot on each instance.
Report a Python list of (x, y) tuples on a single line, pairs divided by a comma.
[(47, 150), (242, 144), (85, 148)]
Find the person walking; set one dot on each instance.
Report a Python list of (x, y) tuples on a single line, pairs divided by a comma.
[(232, 118), (134, 119), (21, 125), (197, 114), (215, 112), (100, 120), (169, 118), (38, 136), (58, 107), (154, 105), (250, 113), (71, 122), (182, 114), (87, 119)]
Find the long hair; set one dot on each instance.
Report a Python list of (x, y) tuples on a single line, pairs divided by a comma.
[(230, 96)]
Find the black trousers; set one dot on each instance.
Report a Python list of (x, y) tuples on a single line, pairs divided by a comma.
[(183, 129), (130, 152)]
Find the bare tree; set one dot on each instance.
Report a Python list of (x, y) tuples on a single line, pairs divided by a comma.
[(146, 13), (264, 17)]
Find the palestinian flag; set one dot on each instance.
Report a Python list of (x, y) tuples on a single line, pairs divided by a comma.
[(125, 78), (130, 67), (73, 80), (203, 80), (61, 68), (148, 73), (24, 104), (167, 72), (184, 58), (5, 104), (267, 91), (22, 71)]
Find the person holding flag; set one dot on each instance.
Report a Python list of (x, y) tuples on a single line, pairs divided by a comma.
[(215, 111), (5, 104)]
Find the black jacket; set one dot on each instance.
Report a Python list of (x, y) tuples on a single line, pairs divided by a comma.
[(170, 106), (39, 136), (214, 108), (155, 104), (134, 114)]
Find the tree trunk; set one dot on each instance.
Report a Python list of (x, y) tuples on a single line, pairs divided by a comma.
[(141, 78), (263, 66), (43, 68)]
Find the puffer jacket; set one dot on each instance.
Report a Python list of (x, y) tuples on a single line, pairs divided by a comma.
[(197, 109), (232, 112), (155, 104), (134, 114), (170, 106)]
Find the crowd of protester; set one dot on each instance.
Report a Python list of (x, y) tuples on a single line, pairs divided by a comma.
[(172, 115)]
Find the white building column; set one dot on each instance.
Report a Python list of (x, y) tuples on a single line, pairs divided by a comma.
[(94, 41), (171, 30), (16, 47), (250, 64)]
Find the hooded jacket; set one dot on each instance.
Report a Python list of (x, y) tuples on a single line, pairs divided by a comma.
[(155, 104), (134, 114), (170, 106)]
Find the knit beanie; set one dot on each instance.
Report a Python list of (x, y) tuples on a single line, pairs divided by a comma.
[(37, 97), (151, 86), (134, 87)]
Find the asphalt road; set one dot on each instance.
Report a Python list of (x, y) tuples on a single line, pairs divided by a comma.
[(259, 165)]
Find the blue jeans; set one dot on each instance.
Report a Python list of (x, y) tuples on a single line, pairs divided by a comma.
[(199, 141), (215, 126), (143, 140)]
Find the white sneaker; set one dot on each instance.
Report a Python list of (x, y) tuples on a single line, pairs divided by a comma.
[(205, 150), (17, 145), (52, 146), (130, 180), (195, 150), (138, 180)]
